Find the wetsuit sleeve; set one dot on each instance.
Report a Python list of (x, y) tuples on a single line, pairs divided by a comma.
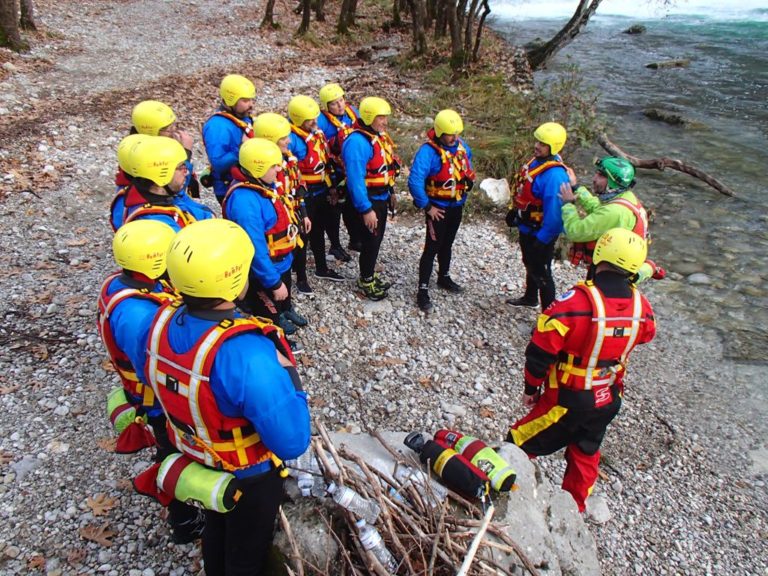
[(548, 185), (356, 152), (421, 169), (248, 381), (592, 226), (586, 200), (129, 322), (248, 211), (217, 137), (297, 147)]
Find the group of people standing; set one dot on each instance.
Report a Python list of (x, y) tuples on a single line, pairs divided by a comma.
[(195, 321)]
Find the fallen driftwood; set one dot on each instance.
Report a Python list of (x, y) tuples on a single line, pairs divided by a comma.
[(453, 537), (662, 163), (681, 63)]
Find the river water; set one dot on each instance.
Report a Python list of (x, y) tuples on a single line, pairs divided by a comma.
[(724, 93)]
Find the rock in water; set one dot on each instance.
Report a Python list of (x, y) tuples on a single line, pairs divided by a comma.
[(635, 29), (678, 63)]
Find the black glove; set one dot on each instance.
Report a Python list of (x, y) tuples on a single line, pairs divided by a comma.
[(194, 188), (512, 219)]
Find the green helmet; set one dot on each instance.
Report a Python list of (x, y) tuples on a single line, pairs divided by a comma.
[(619, 171)]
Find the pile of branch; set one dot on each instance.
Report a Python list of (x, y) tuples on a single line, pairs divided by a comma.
[(426, 536)]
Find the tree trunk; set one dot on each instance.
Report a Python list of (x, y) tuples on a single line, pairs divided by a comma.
[(469, 26), (352, 16), (417, 16), (27, 20), (306, 12), (461, 11), (342, 26), (538, 57), (486, 12), (664, 162), (269, 15), (320, 10), (9, 27), (457, 50), (441, 19), (397, 20)]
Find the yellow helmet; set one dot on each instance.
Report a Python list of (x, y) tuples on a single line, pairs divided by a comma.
[(258, 155), (234, 87), (373, 106), (448, 122), (156, 159), (302, 108), (126, 149), (141, 246), (329, 93), (622, 248), (151, 116), (552, 134), (210, 259), (271, 126)]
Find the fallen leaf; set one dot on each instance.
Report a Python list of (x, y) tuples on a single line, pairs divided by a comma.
[(8, 389), (36, 561), (323, 329), (361, 323), (603, 475), (306, 361), (40, 352), (99, 534), (5, 457), (124, 484), (77, 242), (100, 504), (76, 556), (486, 412), (108, 444), (316, 402), (108, 366)]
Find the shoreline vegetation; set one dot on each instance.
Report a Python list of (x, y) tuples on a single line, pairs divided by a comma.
[(684, 465)]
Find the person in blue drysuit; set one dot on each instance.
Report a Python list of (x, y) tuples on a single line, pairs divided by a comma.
[(226, 130), (127, 304), (156, 169), (440, 179), (537, 214), (249, 411)]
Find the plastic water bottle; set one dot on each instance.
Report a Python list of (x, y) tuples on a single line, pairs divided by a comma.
[(352, 501), (372, 540), (306, 470), (432, 492)]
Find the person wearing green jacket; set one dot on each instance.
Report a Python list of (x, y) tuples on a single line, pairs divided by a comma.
[(614, 206)]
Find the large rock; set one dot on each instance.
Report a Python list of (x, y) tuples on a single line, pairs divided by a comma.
[(497, 191), (539, 517)]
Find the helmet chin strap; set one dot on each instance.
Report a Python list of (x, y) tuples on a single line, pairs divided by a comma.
[(609, 195)]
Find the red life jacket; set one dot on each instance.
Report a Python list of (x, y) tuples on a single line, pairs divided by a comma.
[(314, 167), (290, 180), (282, 236), (582, 251), (342, 130), (133, 199), (530, 210), (118, 358), (182, 384), (450, 183), (599, 340), (384, 165), (242, 124)]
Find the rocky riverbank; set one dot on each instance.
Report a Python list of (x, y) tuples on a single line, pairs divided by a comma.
[(684, 465)]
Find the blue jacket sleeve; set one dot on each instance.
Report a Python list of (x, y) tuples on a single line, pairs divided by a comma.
[(356, 152), (129, 322), (547, 187), (222, 141), (327, 128), (248, 381), (198, 210), (298, 147), (255, 216), (425, 163)]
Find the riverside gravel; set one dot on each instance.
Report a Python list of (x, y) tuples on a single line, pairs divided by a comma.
[(684, 463)]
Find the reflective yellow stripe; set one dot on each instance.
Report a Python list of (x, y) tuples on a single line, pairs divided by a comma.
[(442, 460), (525, 432)]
